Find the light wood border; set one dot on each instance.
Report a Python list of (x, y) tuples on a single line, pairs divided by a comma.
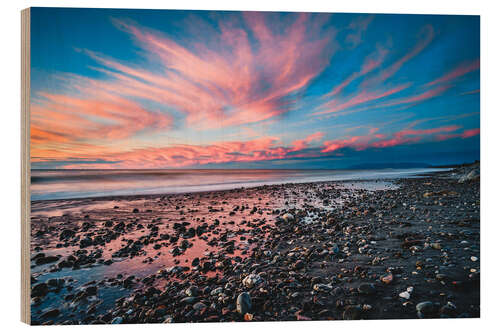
[(25, 167)]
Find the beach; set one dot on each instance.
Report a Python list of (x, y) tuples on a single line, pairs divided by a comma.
[(378, 248)]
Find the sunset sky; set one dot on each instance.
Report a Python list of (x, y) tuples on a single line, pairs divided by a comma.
[(199, 89)]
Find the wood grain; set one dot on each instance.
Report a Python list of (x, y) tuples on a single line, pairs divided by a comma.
[(25, 167)]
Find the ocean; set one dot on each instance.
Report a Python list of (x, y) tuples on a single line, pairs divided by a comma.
[(71, 184)]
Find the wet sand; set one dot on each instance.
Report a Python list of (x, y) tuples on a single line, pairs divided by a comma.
[(404, 248)]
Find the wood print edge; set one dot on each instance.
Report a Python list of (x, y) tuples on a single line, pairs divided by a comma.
[(25, 166)]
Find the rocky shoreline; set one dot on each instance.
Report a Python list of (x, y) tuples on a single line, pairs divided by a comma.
[(316, 251)]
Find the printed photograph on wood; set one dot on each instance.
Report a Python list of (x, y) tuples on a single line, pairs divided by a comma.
[(217, 166)]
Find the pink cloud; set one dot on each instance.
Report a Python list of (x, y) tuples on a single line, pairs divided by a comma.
[(302, 144), (461, 70), (417, 98), (359, 99), (371, 62), (374, 140), (464, 135)]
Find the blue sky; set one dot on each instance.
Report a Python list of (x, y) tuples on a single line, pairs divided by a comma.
[(207, 89)]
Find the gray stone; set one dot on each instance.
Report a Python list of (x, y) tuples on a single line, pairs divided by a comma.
[(243, 303)]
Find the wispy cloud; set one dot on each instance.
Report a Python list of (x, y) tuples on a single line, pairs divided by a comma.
[(403, 137), (461, 70)]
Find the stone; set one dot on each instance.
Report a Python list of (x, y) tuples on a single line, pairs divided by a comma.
[(436, 246), (217, 291), (91, 291), (288, 217), (322, 287), (188, 300), (243, 303), (472, 175), (39, 290), (405, 295), (51, 313), (117, 320), (66, 234), (449, 309), (387, 279), (191, 291), (199, 306), (298, 265), (352, 312), (46, 260), (56, 283), (425, 309), (367, 289), (252, 280)]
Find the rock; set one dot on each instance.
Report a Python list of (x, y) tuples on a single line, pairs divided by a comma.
[(195, 262), (91, 291), (449, 309), (405, 295), (425, 309), (322, 287), (85, 242), (217, 291), (472, 175), (66, 234), (352, 312), (298, 265), (436, 246), (46, 260), (191, 291), (51, 313), (248, 317), (56, 283), (252, 280), (199, 306), (188, 300), (367, 288), (39, 290), (243, 303), (117, 320), (288, 217), (387, 279), (473, 258)]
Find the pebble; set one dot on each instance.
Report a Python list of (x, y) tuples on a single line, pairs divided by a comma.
[(405, 295), (288, 217), (425, 309), (387, 279), (252, 280), (352, 312), (367, 289), (243, 303)]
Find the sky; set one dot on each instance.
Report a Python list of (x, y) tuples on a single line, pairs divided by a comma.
[(154, 89)]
